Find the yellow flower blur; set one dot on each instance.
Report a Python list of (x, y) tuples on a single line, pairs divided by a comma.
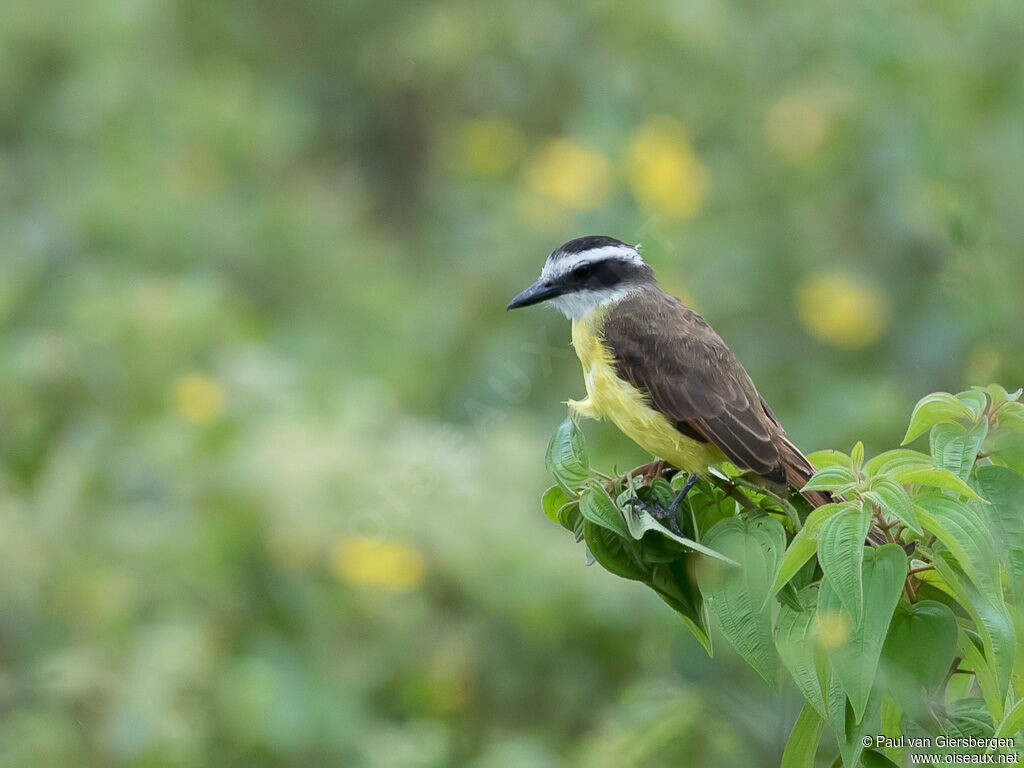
[(490, 146), (831, 629), (794, 128), (842, 310), (368, 562), (199, 398), (570, 175), (664, 172)]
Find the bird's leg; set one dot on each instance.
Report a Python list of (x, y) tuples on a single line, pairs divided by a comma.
[(658, 512), (665, 515), (682, 493)]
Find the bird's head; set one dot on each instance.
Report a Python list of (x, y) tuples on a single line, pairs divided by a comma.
[(586, 273)]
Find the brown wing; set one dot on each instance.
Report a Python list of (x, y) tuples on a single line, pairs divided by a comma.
[(669, 352)]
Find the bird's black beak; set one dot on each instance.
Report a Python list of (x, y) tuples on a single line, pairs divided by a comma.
[(541, 290)]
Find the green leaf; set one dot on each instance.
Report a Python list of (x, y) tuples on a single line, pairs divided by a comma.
[(857, 455), (1005, 447), (736, 597), (1011, 416), (954, 447), (892, 727), (597, 507), (675, 584), (966, 537), (992, 621), (974, 660), (566, 457), (935, 477), (796, 642), (554, 499), (896, 459), (830, 458), (1012, 722), (831, 479), (803, 740), (841, 553), (933, 408), (805, 543), (969, 717), (894, 500), (918, 651), (640, 521), (873, 759), (856, 660), (612, 552), (1004, 490), (850, 738), (662, 490), (975, 399), (569, 517)]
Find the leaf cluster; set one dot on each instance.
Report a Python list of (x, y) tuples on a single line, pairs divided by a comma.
[(895, 609)]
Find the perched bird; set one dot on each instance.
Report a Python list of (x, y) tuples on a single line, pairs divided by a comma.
[(659, 372)]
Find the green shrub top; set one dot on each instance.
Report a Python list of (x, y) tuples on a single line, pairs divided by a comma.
[(895, 609)]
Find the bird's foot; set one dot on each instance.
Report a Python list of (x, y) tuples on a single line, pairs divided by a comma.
[(662, 514)]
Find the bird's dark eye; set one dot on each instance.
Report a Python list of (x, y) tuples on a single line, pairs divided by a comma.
[(583, 270)]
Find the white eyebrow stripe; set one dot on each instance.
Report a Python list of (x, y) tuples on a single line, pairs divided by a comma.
[(568, 263)]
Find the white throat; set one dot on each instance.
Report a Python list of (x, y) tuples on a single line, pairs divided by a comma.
[(579, 304)]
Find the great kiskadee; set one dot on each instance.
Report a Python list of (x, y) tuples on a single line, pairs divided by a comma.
[(658, 371)]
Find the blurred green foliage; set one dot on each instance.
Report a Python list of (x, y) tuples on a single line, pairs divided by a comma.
[(270, 447)]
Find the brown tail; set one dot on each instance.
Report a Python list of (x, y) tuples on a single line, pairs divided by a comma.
[(798, 471)]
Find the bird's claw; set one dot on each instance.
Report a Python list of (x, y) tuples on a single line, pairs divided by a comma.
[(662, 514)]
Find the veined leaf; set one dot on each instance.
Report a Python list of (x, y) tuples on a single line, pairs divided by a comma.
[(1004, 490), (975, 399), (1012, 722), (851, 745), (935, 477), (873, 759), (611, 551), (993, 622), (857, 455), (736, 597), (674, 583), (803, 740), (569, 517), (805, 543), (966, 537), (891, 722), (954, 447), (933, 408), (830, 458), (968, 717), (893, 499), (918, 650), (662, 490), (796, 642), (566, 457), (974, 659), (554, 499), (597, 506), (856, 660), (1011, 416), (830, 479), (841, 554), (898, 458)]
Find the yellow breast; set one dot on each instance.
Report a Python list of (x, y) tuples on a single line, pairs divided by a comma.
[(611, 397)]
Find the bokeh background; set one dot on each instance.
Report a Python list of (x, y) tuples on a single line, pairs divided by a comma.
[(270, 446)]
